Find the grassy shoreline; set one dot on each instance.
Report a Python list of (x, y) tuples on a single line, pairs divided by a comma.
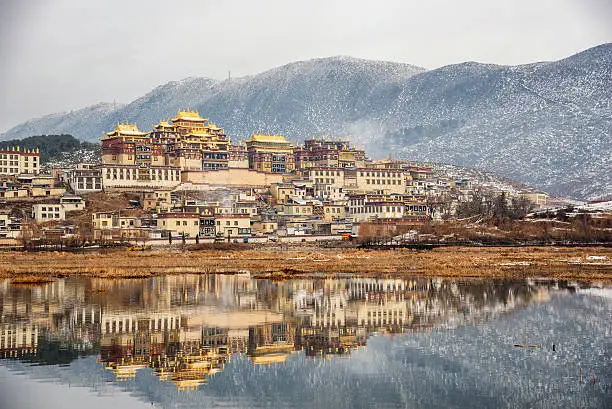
[(584, 264)]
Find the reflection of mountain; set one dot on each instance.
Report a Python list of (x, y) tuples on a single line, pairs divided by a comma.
[(186, 328), (248, 343)]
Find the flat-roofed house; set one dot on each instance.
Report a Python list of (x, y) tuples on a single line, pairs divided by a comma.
[(180, 223), (44, 212)]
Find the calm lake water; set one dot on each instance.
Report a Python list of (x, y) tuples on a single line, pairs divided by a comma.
[(232, 341)]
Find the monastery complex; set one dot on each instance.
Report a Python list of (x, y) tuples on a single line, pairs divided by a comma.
[(193, 181)]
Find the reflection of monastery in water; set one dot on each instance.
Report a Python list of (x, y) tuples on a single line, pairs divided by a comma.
[(187, 328)]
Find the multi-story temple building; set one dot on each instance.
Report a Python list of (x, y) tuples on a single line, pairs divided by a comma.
[(192, 142), (328, 153), (270, 153), (238, 157), (130, 158)]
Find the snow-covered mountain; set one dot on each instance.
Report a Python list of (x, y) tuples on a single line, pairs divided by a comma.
[(545, 124)]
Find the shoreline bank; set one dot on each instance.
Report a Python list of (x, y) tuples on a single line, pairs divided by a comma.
[(564, 263)]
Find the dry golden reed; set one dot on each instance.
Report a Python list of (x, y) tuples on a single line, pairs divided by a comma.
[(475, 262)]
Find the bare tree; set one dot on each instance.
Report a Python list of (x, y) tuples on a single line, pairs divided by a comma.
[(29, 232)]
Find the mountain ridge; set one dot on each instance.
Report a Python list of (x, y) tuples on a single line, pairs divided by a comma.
[(547, 124)]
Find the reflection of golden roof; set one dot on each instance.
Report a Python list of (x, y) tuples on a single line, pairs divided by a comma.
[(188, 115), (275, 353), (188, 384), (125, 371), (267, 359), (126, 129), (269, 139)]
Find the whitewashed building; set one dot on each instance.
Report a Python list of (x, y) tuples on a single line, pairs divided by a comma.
[(44, 212)]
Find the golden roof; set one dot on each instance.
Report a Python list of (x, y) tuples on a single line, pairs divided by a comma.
[(188, 115), (126, 129), (163, 124), (268, 139)]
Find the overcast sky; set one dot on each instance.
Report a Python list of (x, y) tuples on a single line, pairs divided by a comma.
[(58, 55)]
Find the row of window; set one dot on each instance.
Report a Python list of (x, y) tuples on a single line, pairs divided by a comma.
[(49, 216), (89, 186), (333, 210), (383, 182), (13, 156), (218, 156), (327, 173), (130, 174), (88, 179), (381, 174), (227, 223), (213, 165), (388, 209), (195, 223), (380, 209), (305, 210)]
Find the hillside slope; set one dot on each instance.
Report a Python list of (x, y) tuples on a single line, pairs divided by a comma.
[(545, 124)]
